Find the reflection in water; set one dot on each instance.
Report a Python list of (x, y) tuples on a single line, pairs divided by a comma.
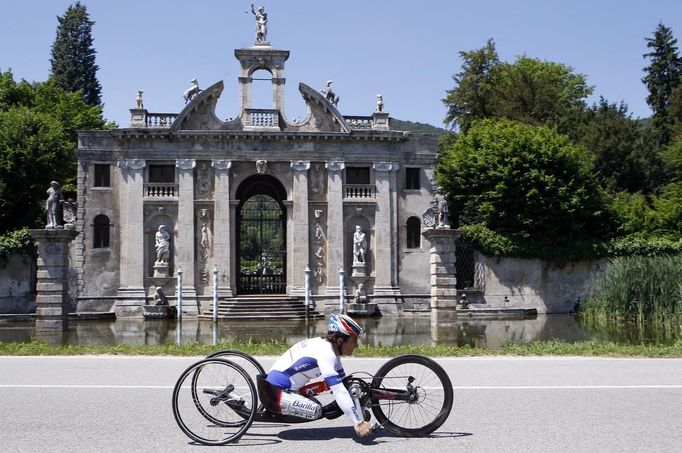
[(390, 331)]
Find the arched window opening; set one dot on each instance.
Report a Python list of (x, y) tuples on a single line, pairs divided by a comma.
[(101, 227), (413, 233), (262, 96)]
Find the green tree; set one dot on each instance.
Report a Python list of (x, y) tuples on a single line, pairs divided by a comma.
[(538, 92), (38, 124), (662, 76), (471, 97), (528, 182), (529, 90), (625, 159), (73, 55)]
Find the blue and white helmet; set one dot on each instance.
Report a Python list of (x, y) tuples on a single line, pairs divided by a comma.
[(343, 324)]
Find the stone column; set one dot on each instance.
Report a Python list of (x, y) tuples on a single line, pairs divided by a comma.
[(384, 230), (300, 235), (184, 243), (221, 225), (334, 225), (131, 194), (52, 290), (442, 272)]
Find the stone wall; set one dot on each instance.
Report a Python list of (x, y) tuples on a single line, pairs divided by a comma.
[(533, 283), (17, 285)]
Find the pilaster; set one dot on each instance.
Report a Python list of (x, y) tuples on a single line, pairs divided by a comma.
[(301, 230), (222, 225), (384, 229), (334, 224), (131, 294), (184, 243)]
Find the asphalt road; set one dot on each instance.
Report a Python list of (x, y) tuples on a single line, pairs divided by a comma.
[(502, 404)]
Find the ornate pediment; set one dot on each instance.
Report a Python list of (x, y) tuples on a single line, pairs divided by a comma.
[(199, 114)]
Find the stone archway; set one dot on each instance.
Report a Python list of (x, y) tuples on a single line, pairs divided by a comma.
[(261, 236)]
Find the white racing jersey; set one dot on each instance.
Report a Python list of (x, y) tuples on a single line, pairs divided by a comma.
[(308, 360)]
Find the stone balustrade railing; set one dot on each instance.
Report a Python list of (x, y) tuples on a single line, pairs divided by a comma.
[(359, 122), (359, 191), (262, 118), (160, 119), (160, 190)]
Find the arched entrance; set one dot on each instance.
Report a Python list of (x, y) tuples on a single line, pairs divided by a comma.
[(261, 236)]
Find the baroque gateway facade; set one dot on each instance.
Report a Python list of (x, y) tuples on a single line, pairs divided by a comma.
[(257, 198)]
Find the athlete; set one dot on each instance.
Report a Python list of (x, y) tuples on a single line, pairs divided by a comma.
[(310, 359)]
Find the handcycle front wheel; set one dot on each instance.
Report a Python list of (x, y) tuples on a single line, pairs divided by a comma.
[(214, 401), (425, 400)]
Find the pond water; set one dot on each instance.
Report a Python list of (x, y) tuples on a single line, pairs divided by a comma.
[(393, 331)]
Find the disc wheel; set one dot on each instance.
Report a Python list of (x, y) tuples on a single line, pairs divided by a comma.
[(430, 396), (214, 401)]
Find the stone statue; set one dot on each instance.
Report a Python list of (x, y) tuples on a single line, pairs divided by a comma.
[(192, 91), (360, 295), (329, 94), (359, 245), (261, 166), (204, 243), (261, 24), (380, 103), (54, 200), (69, 208), (162, 245), (159, 297), (138, 100), (442, 208)]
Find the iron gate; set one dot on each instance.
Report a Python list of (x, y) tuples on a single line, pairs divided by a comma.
[(262, 248)]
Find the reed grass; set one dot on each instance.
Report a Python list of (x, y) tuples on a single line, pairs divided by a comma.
[(638, 289)]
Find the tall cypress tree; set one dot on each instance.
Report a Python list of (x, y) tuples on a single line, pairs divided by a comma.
[(73, 56), (661, 79)]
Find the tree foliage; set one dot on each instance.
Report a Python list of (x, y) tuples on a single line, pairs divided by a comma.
[(38, 124), (73, 55), (662, 77), (529, 90), (528, 182)]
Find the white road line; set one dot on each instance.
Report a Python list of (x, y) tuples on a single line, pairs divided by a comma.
[(481, 387)]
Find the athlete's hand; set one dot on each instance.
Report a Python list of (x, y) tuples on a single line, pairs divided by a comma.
[(363, 429)]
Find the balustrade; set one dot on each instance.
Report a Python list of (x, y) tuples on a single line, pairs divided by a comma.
[(160, 119), (160, 190), (359, 122), (262, 117), (359, 191)]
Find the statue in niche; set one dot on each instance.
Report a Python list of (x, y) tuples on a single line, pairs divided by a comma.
[(360, 295), (192, 91), (261, 166), (69, 207), (162, 244), (441, 208), (359, 245), (261, 23), (54, 200), (329, 93), (204, 242)]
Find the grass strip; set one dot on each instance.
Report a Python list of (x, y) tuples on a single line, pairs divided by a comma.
[(593, 348)]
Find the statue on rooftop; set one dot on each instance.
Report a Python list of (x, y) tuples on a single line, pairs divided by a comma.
[(380, 103), (261, 24), (329, 94), (138, 100), (192, 91)]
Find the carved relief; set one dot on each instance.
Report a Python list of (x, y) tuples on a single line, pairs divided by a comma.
[(204, 180), (261, 166), (317, 181), (319, 249)]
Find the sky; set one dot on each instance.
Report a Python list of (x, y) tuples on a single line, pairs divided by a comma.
[(405, 50)]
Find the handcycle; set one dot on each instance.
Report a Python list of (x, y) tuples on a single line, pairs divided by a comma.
[(216, 400)]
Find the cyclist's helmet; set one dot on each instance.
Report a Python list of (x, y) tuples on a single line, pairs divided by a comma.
[(343, 324)]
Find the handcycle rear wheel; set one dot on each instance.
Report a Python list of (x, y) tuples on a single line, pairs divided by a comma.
[(244, 360), (214, 401), (430, 391)]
